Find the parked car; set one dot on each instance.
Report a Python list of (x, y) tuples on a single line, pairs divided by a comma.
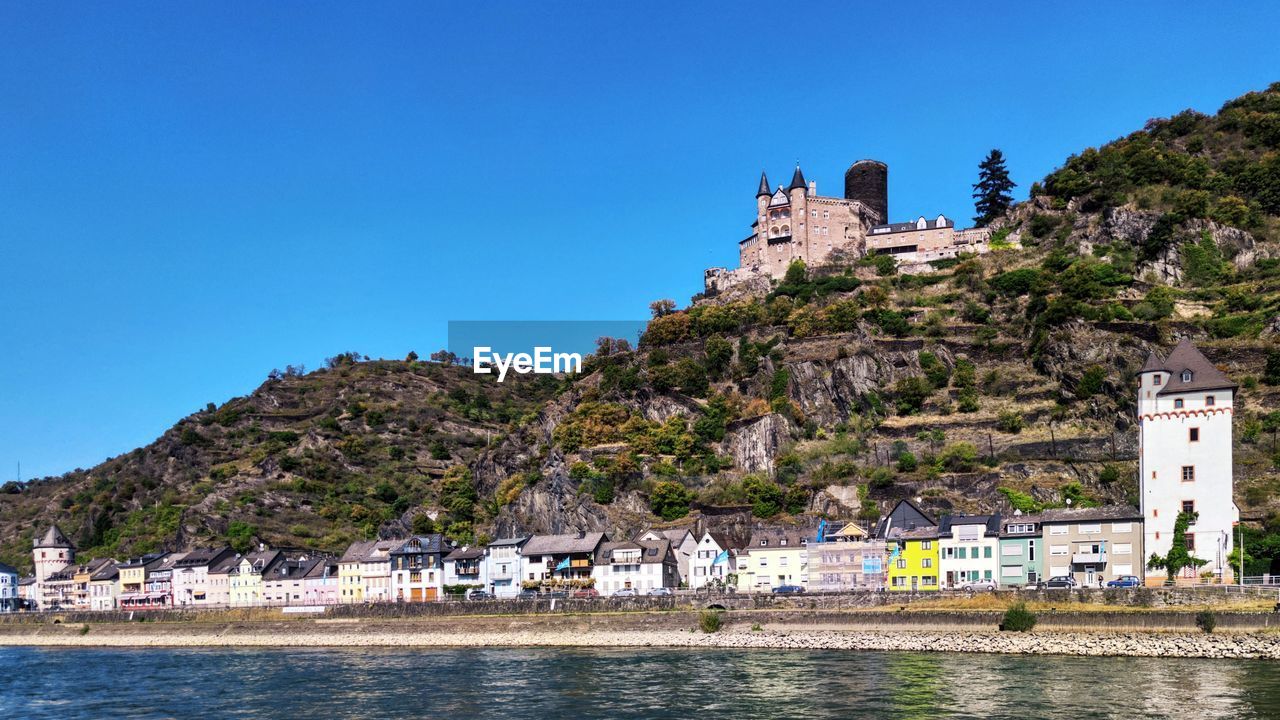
[(972, 585), (624, 592), (1060, 581), (1125, 581), (788, 590), (663, 591), (477, 594), (556, 595), (585, 593), (528, 595)]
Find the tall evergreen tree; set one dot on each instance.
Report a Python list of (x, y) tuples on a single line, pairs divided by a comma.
[(991, 192)]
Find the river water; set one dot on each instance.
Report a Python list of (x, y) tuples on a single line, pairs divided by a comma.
[(578, 684)]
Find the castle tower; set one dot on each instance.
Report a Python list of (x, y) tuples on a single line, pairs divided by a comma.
[(1185, 408), (797, 193), (867, 181), (50, 552)]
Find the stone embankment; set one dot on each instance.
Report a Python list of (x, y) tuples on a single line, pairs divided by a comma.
[(642, 630)]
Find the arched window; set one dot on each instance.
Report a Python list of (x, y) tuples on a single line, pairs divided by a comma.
[(773, 231), (786, 229)]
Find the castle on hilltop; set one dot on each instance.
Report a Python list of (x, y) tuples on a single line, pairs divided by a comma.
[(796, 223)]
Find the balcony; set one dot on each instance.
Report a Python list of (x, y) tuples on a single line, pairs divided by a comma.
[(1089, 558), (501, 574)]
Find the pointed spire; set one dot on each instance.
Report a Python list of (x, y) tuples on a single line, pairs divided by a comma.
[(797, 180), (1153, 364), (53, 538), (764, 186)]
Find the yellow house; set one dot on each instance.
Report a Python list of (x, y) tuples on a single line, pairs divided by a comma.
[(913, 560), (350, 572), (246, 578), (773, 559)]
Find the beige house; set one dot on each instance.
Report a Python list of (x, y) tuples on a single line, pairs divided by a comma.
[(1093, 545)]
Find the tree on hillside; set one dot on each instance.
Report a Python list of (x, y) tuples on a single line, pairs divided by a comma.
[(991, 192), (662, 308)]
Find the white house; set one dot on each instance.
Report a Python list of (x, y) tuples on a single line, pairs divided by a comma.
[(1185, 408), (8, 588), (502, 566), (969, 549), (466, 566), (683, 543), (560, 559), (320, 586), (712, 561), (190, 579), (104, 585), (635, 565)]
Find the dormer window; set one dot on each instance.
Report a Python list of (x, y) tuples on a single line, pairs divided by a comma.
[(1186, 376)]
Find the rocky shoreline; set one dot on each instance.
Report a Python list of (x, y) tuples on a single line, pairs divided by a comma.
[(1136, 644)]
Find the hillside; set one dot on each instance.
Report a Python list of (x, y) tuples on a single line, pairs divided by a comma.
[(996, 382)]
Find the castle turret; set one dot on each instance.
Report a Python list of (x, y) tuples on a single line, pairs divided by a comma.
[(797, 192), (764, 190), (867, 181)]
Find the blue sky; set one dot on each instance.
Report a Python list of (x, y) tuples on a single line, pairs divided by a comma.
[(194, 193)]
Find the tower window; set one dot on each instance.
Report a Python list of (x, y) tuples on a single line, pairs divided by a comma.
[(1188, 506), (1190, 540), (1188, 473), (1208, 400), (1159, 379), (1177, 403), (1195, 434)]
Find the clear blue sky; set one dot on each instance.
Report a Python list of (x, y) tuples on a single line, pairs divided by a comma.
[(194, 193)]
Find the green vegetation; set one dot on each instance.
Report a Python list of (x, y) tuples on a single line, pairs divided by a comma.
[(710, 621), (1018, 618)]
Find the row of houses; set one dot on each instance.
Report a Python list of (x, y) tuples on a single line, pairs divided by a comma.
[(421, 568)]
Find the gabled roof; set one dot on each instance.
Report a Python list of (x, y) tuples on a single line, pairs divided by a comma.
[(777, 539), (224, 566), (202, 556), (466, 553), (564, 544), (108, 571), (516, 541), (370, 550), (53, 538), (290, 568), (323, 567), (1204, 376), (991, 523), (928, 532), (721, 540), (797, 179), (906, 515), (849, 530), (422, 544), (764, 185), (651, 551), (675, 535)]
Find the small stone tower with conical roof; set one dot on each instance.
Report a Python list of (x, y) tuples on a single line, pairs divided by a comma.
[(51, 552)]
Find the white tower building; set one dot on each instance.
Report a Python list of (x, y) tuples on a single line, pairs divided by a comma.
[(50, 553), (1185, 408)]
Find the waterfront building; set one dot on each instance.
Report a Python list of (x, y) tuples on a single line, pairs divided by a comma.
[(104, 586), (219, 584), (1021, 550), (132, 593), (912, 558), (51, 552), (320, 585), (1093, 545), (847, 559), (59, 589), (284, 582), (466, 566), (502, 566), (247, 588), (639, 565), (683, 543), (1185, 411), (190, 575), (364, 571), (417, 568), (8, 588), (774, 558), (969, 549), (561, 558), (160, 579), (714, 559), (81, 575)]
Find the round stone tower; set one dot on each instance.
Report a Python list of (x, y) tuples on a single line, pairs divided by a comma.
[(867, 181), (51, 552)]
